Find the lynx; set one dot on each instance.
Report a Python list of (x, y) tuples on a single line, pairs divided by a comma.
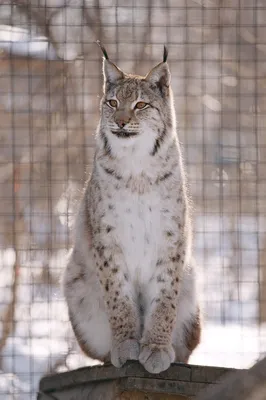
[(130, 283)]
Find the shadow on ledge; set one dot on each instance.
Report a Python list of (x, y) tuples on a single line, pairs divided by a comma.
[(131, 382)]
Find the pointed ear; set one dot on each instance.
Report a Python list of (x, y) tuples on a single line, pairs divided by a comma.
[(160, 76), (111, 72)]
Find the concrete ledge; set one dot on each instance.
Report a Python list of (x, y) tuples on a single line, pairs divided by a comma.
[(131, 382)]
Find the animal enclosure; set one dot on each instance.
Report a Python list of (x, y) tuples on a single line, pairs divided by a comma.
[(50, 88)]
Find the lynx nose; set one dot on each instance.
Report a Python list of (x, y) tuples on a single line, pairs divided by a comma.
[(122, 120)]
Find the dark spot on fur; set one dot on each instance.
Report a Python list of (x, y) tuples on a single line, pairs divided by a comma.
[(115, 299), (79, 277), (160, 278), (112, 172), (116, 292), (164, 177), (177, 279), (81, 300), (106, 264), (166, 318), (101, 268), (111, 207), (114, 270), (106, 144), (175, 291), (149, 208), (126, 277), (128, 210), (100, 250), (173, 306), (169, 297), (169, 233), (114, 307), (109, 228), (176, 258), (170, 271), (159, 262), (156, 147), (107, 287)]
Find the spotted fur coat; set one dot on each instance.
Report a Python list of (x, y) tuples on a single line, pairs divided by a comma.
[(130, 283)]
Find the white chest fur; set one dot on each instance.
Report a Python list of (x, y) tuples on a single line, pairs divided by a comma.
[(140, 226), (139, 230)]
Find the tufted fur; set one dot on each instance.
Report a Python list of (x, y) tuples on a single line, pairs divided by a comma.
[(130, 283)]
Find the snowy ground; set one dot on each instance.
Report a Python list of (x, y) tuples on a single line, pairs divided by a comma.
[(231, 346)]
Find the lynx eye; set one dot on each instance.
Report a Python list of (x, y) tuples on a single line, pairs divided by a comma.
[(112, 103), (140, 105)]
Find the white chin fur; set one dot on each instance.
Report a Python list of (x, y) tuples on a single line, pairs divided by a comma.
[(141, 144)]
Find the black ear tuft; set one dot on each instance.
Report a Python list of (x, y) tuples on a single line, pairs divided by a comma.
[(165, 53), (103, 49)]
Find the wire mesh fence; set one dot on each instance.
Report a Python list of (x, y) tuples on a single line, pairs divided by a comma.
[(50, 85)]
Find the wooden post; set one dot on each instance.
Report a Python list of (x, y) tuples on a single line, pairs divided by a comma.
[(131, 382)]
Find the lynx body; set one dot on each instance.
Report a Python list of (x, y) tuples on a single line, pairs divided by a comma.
[(130, 283)]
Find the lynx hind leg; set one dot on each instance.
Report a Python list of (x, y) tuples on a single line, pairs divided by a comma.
[(192, 332), (187, 332), (86, 309)]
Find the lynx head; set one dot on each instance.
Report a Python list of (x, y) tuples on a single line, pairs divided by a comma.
[(136, 109)]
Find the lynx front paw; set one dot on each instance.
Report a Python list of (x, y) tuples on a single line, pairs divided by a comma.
[(123, 351), (156, 358)]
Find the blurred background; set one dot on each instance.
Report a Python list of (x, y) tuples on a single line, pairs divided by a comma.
[(50, 88)]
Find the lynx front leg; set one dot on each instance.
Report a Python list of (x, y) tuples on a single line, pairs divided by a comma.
[(157, 352), (121, 308)]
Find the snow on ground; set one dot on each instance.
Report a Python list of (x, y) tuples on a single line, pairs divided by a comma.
[(231, 346), (12, 388)]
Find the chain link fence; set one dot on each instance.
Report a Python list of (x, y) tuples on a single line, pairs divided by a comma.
[(50, 86)]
